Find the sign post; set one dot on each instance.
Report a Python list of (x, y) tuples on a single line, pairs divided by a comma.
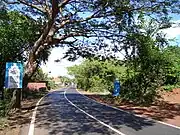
[(14, 79), (13, 75), (116, 88)]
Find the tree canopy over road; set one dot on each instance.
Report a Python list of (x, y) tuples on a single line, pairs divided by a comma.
[(84, 25), (91, 28), (117, 38)]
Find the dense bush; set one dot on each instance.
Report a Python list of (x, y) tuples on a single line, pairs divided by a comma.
[(148, 71), (173, 71)]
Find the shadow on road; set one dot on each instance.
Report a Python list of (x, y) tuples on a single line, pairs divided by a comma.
[(110, 115), (60, 117), (160, 110)]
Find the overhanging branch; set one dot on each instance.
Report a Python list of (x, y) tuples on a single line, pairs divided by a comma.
[(62, 4), (62, 39), (10, 2), (30, 5)]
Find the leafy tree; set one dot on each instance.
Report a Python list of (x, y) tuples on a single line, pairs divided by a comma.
[(145, 73), (65, 80), (84, 25), (39, 75), (97, 75), (16, 37), (17, 34), (148, 65)]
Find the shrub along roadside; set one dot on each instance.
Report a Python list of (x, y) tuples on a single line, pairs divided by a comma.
[(141, 78)]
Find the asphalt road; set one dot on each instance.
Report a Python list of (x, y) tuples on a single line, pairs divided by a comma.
[(66, 112)]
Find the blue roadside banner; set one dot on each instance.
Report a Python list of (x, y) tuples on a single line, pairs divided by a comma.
[(14, 75), (116, 88)]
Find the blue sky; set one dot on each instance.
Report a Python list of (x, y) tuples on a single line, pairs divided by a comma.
[(175, 17)]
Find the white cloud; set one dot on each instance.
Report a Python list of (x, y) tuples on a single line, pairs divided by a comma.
[(58, 68), (174, 31)]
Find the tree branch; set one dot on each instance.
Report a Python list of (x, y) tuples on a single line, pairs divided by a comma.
[(62, 4), (32, 6), (57, 41), (61, 39), (47, 6), (10, 2)]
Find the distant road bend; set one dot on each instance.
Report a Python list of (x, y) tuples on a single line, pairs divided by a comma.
[(66, 112)]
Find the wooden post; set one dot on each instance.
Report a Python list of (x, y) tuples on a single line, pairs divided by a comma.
[(18, 98)]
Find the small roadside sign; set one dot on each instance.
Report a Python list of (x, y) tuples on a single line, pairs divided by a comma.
[(116, 88), (13, 75)]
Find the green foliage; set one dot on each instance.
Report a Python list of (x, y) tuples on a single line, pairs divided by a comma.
[(96, 75), (142, 88), (3, 123), (172, 74), (170, 87), (3, 108), (149, 66), (65, 80), (4, 104), (17, 32), (51, 84), (39, 75), (172, 54)]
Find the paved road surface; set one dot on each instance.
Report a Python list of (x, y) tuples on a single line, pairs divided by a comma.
[(66, 112)]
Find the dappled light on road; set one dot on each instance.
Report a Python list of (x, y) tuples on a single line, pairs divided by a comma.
[(56, 115)]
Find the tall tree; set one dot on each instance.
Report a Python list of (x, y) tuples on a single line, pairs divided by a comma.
[(84, 25)]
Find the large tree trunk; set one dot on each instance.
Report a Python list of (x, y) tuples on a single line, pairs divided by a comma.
[(32, 64), (29, 70)]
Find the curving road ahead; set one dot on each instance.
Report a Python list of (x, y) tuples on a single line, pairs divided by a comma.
[(66, 112)]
